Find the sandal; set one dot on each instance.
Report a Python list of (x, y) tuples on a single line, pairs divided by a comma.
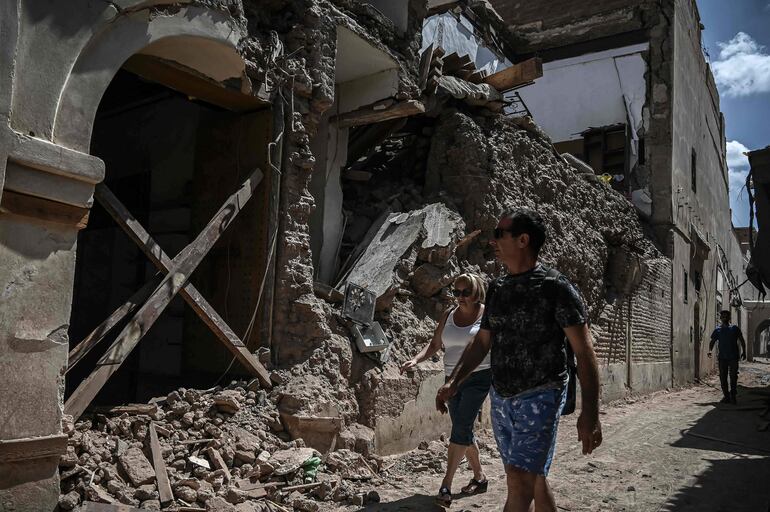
[(475, 487), (444, 498)]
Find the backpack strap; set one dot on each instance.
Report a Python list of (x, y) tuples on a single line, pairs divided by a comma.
[(549, 290), (549, 283)]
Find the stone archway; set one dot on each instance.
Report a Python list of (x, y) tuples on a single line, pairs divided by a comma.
[(197, 38), (756, 340), (56, 82)]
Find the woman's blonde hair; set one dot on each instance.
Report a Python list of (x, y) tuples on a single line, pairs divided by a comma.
[(475, 283)]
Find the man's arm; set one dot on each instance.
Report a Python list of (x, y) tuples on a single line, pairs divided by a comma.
[(743, 344), (712, 342), (472, 356), (588, 425)]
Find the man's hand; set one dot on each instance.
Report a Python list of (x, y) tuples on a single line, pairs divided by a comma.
[(409, 365), (709, 354), (589, 432), (445, 392), (743, 356)]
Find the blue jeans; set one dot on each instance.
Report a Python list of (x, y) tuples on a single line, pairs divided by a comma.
[(525, 427), (464, 407)]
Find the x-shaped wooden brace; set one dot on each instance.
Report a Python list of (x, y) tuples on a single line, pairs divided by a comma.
[(156, 297)]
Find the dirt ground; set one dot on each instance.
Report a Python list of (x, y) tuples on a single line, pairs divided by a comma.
[(672, 451)]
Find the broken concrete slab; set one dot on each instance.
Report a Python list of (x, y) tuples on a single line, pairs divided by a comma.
[(435, 225), (136, 467)]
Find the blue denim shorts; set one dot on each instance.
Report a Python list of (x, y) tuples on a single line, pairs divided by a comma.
[(525, 427), (464, 407)]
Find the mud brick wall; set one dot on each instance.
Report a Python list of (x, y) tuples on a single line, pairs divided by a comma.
[(651, 314), (610, 333)]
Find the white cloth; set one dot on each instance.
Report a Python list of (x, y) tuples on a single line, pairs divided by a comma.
[(455, 339)]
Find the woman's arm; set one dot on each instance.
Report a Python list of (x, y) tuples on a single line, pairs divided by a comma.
[(429, 349)]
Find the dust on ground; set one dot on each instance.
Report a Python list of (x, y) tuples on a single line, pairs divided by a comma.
[(671, 451)]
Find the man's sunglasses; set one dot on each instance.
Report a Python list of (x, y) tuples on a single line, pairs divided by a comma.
[(464, 293), (498, 233)]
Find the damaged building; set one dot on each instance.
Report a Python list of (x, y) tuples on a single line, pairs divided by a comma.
[(626, 88), (243, 216)]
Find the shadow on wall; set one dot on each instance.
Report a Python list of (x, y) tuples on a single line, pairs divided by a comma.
[(737, 484)]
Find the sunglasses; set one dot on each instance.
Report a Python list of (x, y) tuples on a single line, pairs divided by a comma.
[(464, 293), (499, 232)]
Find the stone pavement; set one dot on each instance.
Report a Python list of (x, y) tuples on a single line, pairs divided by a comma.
[(676, 451)]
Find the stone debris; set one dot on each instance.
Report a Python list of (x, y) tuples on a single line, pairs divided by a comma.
[(215, 459)]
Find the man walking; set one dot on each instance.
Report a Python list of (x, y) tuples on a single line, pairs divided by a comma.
[(525, 322), (728, 336)]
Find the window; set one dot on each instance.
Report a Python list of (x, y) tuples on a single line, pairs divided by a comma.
[(694, 171), (684, 287)]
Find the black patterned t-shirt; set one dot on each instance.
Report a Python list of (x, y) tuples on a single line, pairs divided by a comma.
[(526, 321)]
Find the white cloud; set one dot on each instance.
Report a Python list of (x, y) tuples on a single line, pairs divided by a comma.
[(735, 154), (738, 166), (743, 67)]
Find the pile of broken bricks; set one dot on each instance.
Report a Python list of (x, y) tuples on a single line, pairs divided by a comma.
[(222, 449)]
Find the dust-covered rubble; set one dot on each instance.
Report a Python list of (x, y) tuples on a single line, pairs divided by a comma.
[(223, 449)]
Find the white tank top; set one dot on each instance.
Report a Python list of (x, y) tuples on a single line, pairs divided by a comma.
[(455, 339)]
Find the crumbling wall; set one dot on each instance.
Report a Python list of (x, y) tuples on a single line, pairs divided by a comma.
[(480, 164)]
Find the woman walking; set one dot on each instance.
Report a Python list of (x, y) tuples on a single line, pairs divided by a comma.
[(456, 329)]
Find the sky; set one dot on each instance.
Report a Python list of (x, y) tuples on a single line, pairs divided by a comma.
[(737, 40)]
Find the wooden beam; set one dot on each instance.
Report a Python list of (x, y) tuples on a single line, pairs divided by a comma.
[(161, 476), (193, 84), (92, 506), (189, 293), (367, 115), (218, 462), (516, 75), (177, 277), (100, 332), (43, 209)]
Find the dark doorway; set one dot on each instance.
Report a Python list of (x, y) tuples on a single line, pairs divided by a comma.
[(172, 161)]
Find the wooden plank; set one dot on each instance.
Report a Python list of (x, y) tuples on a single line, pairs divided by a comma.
[(146, 409), (301, 487), (161, 476), (33, 448), (101, 331), (92, 506), (218, 462), (189, 293), (517, 74), (43, 209), (186, 81), (477, 76), (354, 175), (177, 277), (367, 115), (425, 59)]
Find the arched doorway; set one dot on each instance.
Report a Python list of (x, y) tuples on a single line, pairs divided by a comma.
[(178, 136), (762, 339)]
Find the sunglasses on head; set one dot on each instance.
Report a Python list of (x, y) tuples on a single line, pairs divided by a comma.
[(464, 293)]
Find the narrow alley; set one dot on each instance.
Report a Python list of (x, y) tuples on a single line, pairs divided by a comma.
[(672, 451)]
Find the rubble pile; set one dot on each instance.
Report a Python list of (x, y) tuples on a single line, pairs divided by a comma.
[(224, 449)]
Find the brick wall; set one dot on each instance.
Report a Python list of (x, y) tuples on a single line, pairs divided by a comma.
[(610, 333), (651, 314), (648, 311)]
